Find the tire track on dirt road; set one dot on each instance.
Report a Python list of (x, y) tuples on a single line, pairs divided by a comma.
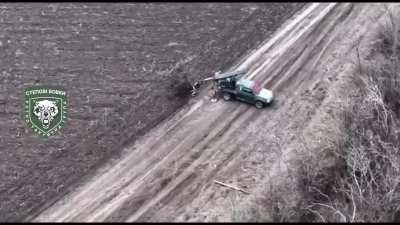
[(93, 205), (269, 162), (167, 175), (240, 138)]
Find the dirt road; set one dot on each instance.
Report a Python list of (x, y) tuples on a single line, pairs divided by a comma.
[(168, 174)]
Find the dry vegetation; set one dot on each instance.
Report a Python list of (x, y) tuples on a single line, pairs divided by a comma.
[(363, 185)]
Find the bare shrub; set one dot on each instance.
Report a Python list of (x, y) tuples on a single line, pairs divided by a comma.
[(364, 184)]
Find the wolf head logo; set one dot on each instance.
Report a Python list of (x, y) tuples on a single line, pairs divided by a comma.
[(45, 111)]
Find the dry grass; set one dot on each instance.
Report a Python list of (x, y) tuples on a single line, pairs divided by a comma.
[(364, 183)]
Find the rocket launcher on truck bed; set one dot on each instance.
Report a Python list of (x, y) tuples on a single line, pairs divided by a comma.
[(218, 78)]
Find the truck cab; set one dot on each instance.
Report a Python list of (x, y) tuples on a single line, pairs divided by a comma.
[(248, 91)]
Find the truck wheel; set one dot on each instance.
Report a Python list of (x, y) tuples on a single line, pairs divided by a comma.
[(227, 96), (259, 105)]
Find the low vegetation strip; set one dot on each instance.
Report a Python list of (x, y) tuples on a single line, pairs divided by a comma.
[(363, 183)]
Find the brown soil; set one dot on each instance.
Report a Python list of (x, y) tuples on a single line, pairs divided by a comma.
[(123, 67), (167, 175)]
